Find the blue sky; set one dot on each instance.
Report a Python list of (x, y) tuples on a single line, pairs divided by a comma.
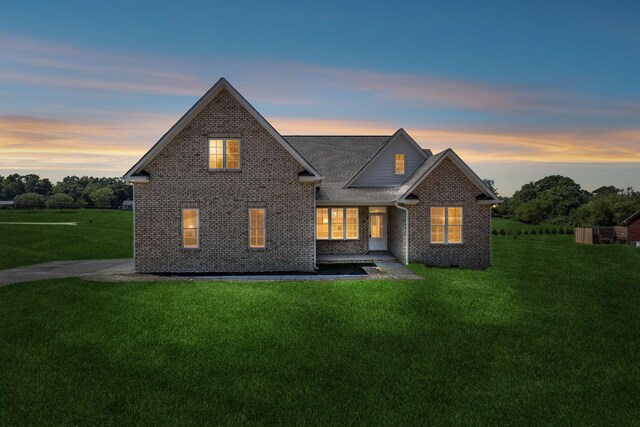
[(520, 90)]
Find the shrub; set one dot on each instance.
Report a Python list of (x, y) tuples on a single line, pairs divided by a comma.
[(554, 231), (561, 231), (547, 231), (502, 233), (570, 231), (494, 232), (534, 232), (102, 197), (60, 201), (526, 232), (29, 201), (519, 232)]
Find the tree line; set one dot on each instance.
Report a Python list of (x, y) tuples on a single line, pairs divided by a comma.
[(32, 192), (559, 200)]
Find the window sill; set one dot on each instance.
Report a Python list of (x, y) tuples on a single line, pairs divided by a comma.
[(223, 170)]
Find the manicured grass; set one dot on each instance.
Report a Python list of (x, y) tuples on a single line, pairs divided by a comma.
[(549, 335), (99, 234)]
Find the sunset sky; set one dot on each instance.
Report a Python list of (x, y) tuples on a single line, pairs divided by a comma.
[(518, 91)]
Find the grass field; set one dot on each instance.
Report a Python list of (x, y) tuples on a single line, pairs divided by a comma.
[(99, 234), (549, 335)]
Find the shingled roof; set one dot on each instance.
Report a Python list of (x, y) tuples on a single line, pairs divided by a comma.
[(339, 158)]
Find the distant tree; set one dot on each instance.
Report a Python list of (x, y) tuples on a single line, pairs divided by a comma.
[(30, 182), (29, 201), (12, 186), (71, 185), (44, 187), (606, 191), (492, 185), (554, 199), (60, 201), (102, 197), (534, 211)]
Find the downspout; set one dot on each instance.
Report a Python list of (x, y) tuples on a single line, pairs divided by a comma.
[(406, 232), (315, 224)]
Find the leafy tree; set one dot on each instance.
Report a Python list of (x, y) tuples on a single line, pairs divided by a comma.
[(60, 201), (12, 186), (71, 185), (534, 211), (29, 201), (44, 187), (102, 197), (492, 185)]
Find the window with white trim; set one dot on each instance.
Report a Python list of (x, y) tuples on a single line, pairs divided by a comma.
[(190, 228), (446, 225), (224, 153), (257, 218), (337, 224), (399, 164)]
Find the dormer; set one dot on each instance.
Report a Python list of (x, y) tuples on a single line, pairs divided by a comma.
[(392, 164)]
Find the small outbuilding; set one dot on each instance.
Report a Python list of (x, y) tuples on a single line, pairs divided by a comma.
[(633, 229), (127, 205), (5, 204)]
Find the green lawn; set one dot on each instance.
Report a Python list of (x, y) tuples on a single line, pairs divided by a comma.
[(99, 234), (549, 335)]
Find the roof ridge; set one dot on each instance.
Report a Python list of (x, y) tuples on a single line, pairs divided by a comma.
[(342, 136)]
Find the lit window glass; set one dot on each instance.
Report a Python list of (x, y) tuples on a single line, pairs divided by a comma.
[(352, 223), (399, 164), (322, 224), (190, 228), (256, 228)]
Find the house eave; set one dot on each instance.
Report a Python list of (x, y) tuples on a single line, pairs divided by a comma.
[(355, 202)]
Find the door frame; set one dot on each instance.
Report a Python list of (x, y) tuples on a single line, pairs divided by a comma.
[(384, 230)]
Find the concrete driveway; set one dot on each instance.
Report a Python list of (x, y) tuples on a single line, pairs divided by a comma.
[(60, 269)]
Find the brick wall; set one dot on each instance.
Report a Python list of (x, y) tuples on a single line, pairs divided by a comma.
[(180, 178), (396, 232), (448, 186)]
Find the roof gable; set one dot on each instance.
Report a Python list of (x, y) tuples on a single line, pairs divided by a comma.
[(632, 218), (429, 166), (184, 121), (381, 163)]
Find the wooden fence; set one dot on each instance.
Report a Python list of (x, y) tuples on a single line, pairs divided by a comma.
[(583, 235), (598, 235)]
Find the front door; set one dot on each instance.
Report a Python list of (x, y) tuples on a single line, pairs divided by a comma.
[(377, 231)]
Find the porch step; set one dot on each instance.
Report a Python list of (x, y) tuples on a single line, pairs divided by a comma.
[(356, 258)]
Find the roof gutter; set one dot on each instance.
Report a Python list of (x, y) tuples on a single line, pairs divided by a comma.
[(406, 232)]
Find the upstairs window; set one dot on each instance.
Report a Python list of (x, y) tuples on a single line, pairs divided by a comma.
[(446, 225), (190, 228), (224, 154), (399, 164), (337, 224)]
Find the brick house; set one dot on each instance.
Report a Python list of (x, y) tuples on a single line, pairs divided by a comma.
[(633, 229), (223, 191)]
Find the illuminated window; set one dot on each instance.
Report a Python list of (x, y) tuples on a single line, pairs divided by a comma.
[(446, 225), (352, 223), (224, 154), (190, 228), (256, 228), (399, 164), (337, 224), (322, 224)]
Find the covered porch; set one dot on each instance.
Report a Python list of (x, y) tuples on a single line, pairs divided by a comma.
[(360, 234)]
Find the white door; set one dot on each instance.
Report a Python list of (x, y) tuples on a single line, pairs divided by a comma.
[(377, 231)]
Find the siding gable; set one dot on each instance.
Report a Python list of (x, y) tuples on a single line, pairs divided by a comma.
[(380, 171)]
